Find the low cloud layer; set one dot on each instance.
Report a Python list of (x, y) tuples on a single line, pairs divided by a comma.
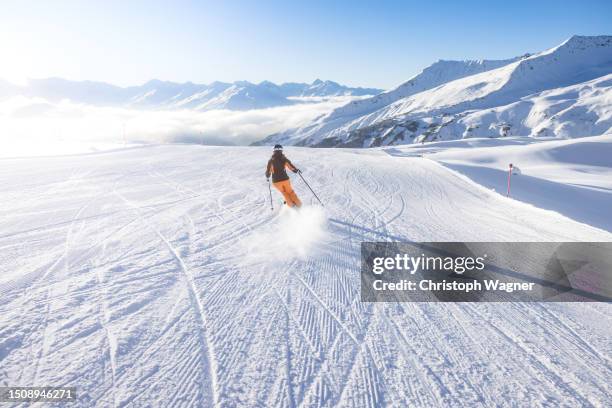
[(27, 123)]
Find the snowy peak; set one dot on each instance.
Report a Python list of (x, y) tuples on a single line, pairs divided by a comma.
[(436, 74), (331, 88), (244, 96), (583, 42), (483, 98), (576, 60), (158, 94)]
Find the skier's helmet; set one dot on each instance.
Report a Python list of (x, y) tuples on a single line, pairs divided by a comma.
[(278, 148)]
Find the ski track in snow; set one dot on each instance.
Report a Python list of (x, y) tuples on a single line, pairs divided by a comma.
[(133, 275)]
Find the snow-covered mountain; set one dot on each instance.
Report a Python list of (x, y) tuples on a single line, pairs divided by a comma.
[(156, 94), (565, 91)]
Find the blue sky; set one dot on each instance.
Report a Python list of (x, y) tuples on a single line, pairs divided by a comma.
[(377, 43)]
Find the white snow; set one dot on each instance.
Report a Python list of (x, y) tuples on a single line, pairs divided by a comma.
[(572, 177), (151, 277)]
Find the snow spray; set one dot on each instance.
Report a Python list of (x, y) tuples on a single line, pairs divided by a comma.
[(292, 234)]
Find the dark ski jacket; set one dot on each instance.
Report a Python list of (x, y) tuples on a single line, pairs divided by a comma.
[(277, 165)]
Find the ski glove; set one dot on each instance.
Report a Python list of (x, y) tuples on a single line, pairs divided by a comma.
[(297, 171)]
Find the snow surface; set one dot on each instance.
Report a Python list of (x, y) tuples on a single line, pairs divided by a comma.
[(572, 177), (158, 276), (565, 92)]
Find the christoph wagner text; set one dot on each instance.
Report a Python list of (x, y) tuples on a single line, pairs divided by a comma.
[(428, 285), (414, 263)]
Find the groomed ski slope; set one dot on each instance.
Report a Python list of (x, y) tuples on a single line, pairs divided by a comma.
[(570, 176), (159, 276)]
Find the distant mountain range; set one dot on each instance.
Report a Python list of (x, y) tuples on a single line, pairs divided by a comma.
[(156, 94), (565, 91)]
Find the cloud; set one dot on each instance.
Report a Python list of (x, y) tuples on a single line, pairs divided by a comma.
[(35, 120)]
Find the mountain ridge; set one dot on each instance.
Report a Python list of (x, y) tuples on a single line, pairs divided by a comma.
[(427, 115), (159, 94)]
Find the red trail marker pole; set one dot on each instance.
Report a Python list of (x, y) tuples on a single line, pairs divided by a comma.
[(509, 176)]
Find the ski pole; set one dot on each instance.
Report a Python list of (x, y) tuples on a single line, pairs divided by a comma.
[(270, 189), (313, 193)]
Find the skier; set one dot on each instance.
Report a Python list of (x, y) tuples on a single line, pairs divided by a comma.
[(276, 168)]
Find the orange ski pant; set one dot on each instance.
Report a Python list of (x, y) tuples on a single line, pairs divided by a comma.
[(287, 191)]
